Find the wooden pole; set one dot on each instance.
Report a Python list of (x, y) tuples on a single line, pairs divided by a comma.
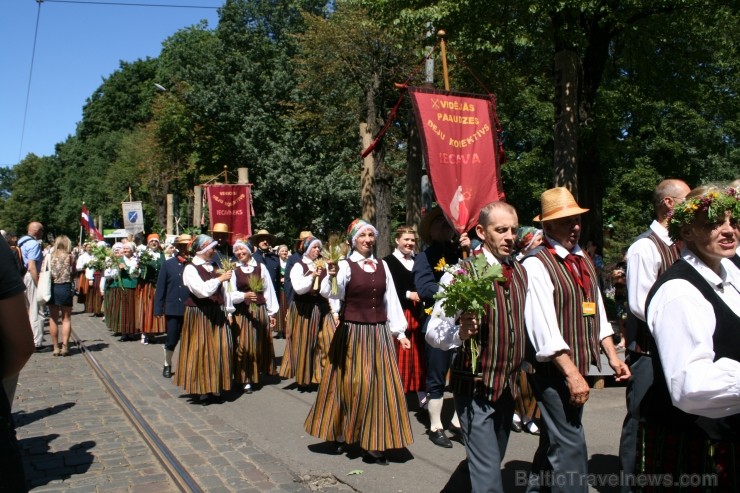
[(197, 197), (170, 212), (226, 174), (443, 48)]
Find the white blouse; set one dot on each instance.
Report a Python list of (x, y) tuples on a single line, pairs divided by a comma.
[(236, 296)]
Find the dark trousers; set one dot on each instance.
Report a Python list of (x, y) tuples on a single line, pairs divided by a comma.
[(173, 325), (11, 465), (485, 428), (439, 362), (642, 378), (560, 463)]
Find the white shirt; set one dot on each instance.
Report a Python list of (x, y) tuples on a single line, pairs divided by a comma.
[(82, 261), (406, 262), (200, 288), (236, 296), (539, 310), (396, 319), (643, 265), (302, 284), (682, 322), (442, 332)]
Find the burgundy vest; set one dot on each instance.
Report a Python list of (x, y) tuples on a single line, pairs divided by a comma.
[(215, 299), (312, 296), (242, 282), (364, 297)]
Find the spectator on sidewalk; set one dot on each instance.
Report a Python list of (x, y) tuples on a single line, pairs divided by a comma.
[(33, 257)]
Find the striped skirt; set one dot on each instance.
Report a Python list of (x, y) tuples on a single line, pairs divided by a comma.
[(205, 357), (411, 363), (687, 455), (361, 396), (120, 310), (94, 300), (82, 287), (255, 352), (283, 302), (147, 322), (302, 357)]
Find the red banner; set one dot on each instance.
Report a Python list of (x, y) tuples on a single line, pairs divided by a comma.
[(459, 140), (231, 205)]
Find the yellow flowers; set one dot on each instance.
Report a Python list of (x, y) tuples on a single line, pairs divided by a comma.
[(429, 310), (441, 265)]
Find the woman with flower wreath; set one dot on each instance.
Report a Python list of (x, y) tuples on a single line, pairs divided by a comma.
[(692, 413), (255, 304), (360, 397), (309, 327)]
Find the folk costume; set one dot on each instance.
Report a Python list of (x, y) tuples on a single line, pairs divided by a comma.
[(255, 351), (484, 396), (120, 294), (206, 347), (145, 291), (360, 397), (80, 267), (411, 363), (309, 327), (652, 253)]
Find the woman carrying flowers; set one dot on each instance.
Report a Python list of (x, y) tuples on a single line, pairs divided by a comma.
[(308, 331), (692, 411), (150, 259), (360, 397), (94, 270), (256, 305), (120, 292)]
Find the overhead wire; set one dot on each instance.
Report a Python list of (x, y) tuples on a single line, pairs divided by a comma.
[(30, 77), (127, 4)]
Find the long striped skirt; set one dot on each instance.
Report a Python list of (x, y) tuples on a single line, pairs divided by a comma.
[(361, 396), (411, 363), (694, 463), (302, 357), (255, 352), (525, 403), (283, 302), (94, 300), (82, 287), (205, 357), (147, 322), (120, 306)]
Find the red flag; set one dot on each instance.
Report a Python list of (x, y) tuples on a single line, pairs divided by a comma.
[(88, 224), (459, 140), (231, 205)]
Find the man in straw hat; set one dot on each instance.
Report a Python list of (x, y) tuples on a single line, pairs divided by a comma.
[(566, 322), (262, 242), (170, 296), (221, 233)]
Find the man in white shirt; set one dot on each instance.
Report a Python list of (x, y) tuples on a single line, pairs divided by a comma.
[(566, 322), (649, 256)]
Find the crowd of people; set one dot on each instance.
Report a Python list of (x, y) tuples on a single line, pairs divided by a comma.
[(363, 332)]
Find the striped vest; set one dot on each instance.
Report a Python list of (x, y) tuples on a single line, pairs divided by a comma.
[(581, 333), (502, 345), (668, 255)]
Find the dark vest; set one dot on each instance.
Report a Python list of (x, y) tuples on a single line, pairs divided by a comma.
[(242, 282), (403, 279), (312, 296), (657, 405), (638, 334), (213, 300), (502, 346), (364, 300), (581, 333)]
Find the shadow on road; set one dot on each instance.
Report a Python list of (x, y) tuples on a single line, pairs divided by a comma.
[(22, 418), (43, 466)]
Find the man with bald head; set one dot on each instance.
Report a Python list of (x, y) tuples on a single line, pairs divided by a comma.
[(649, 256), (33, 256)]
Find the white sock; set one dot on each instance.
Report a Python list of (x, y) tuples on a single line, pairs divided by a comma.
[(455, 421), (167, 357), (516, 419), (435, 414)]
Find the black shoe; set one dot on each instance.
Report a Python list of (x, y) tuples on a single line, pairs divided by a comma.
[(167, 372), (43, 349), (516, 427), (456, 430), (279, 335), (337, 448), (380, 460), (439, 438)]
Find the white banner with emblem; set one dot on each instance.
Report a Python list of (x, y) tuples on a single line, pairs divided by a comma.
[(133, 217)]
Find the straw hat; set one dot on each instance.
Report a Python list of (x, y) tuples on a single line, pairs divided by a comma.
[(261, 235), (183, 239), (556, 203), (426, 224), (303, 235), (220, 228)]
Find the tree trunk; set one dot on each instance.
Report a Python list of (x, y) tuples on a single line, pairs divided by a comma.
[(367, 177), (414, 172), (567, 71)]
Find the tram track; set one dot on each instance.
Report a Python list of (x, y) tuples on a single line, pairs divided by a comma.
[(173, 467)]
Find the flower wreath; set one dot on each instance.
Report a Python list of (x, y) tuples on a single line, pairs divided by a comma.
[(714, 203)]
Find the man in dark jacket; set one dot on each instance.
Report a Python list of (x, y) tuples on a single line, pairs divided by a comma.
[(170, 297)]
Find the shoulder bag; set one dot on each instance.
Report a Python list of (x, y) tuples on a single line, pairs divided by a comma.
[(43, 289)]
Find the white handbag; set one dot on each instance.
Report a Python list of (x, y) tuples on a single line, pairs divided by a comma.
[(43, 289)]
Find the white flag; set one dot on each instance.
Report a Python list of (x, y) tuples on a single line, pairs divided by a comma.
[(133, 217)]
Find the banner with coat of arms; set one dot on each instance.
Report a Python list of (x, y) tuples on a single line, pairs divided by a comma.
[(133, 217)]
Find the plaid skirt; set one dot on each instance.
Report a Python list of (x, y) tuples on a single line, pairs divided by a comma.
[(360, 396), (308, 337), (411, 363), (147, 322), (205, 357), (255, 351)]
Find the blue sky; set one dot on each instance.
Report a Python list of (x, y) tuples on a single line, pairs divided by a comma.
[(77, 45)]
